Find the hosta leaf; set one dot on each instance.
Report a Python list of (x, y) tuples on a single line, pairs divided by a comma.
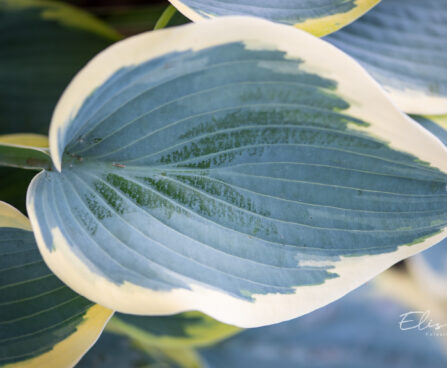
[(26, 151), (44, 43), (236, 172), (319, 17), (43, 323), (360, 330), (403, 45), (181, 330)]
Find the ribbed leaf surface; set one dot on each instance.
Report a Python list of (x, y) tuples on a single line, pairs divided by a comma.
[(237, 175), (42, 321)]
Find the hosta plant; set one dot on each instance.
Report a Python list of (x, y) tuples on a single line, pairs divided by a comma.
[(236, 167)]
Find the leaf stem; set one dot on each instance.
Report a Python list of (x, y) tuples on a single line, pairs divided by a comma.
[(165, 17)]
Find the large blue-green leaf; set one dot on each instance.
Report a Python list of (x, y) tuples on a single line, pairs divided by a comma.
[(360, 330), (402, 43), (43, 323), (319, 17), (237, 167)]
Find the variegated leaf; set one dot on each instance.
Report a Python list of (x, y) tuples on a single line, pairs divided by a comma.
[(43, 323), (237, 167), (319, 17)]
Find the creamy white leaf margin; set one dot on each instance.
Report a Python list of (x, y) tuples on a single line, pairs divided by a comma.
[(368, 101)]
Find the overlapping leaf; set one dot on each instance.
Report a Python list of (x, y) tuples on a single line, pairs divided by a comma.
[(43, 323), (403, 45), (319, 17), (237, 167)]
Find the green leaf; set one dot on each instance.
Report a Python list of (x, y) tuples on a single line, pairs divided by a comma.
[(234, 173), (43, 323), (403, 45), (16, 150), (24, 157), (319, 17), (26, 151), (166, 17), (360, 330), (15, 182), (189, 329)]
